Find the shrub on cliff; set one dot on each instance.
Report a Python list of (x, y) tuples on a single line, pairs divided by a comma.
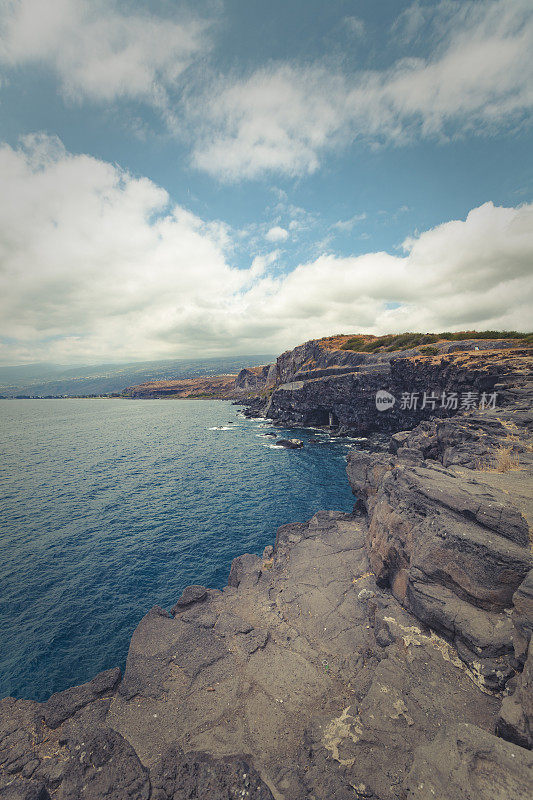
[(403, 341)]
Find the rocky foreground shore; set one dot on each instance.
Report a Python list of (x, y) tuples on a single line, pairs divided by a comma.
[(384, 654)]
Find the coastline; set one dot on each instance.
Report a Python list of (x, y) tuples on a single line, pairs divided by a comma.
[(368, 655), (95, 532)]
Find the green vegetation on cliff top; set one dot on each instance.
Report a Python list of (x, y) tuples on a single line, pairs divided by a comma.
[(362, 343)]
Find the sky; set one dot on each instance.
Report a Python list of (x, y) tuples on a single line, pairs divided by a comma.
[(218, 177)]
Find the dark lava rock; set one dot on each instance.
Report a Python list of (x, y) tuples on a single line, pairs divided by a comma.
[(515, 721), (453, 551), (339, 390), (63, 705), (190, 595), (523, 616), (22, 789), (247, 564), (290, 444), (467, 763), (384, 637), (231, 624), (105, 767), (199, 776)]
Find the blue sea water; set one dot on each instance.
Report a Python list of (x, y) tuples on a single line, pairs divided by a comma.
[(109, 507)]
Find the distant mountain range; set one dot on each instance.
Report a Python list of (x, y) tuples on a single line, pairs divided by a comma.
[(55, 380)]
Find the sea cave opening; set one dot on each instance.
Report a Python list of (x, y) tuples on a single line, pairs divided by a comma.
[(322, 418)]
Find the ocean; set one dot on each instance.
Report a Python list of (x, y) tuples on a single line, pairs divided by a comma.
[(109, 507)]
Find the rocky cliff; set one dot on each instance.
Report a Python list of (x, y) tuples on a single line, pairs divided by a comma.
[(449, 531), (321, 384), (380, 655), (256, 379)]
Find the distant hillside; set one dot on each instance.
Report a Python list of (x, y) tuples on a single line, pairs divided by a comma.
[(42, 380), (248, 382)]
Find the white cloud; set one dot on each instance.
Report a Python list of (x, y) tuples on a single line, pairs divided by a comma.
[(346, 225), (461, 274), (97, 52), (95, 262), (284, 117), (97, 265), (355, 25), (260, 265), (276, 234)]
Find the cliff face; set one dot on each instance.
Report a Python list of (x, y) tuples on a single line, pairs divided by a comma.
[(380, 655), (256, 378), (449, 534), (318, 385)]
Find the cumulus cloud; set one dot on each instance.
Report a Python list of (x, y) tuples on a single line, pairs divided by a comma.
[(285, 116), (276, 234), (99, 265), (96, 263), (98, 52)]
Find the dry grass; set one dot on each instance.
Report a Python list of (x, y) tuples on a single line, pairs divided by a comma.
[(364, 343), (515, 435), (504, 460)]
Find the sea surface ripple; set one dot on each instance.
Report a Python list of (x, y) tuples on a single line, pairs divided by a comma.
[(109, 507)]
